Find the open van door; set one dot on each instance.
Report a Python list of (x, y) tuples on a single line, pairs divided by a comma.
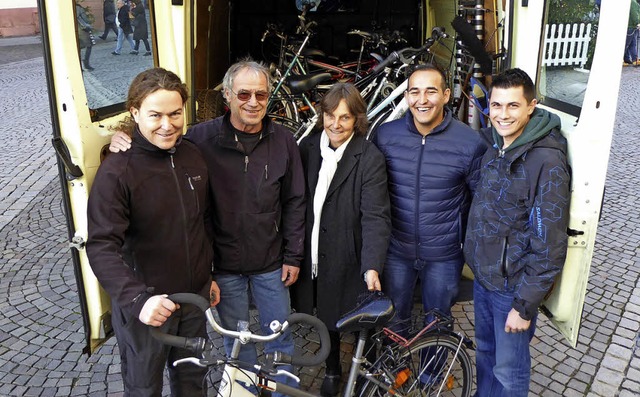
[(86, 101), (580, 84)]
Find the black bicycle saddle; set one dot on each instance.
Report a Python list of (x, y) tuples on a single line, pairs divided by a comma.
[(374, 310)]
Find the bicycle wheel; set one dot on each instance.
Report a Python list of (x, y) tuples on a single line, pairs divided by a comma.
[(377, 122), (437, 365), (283, 104)]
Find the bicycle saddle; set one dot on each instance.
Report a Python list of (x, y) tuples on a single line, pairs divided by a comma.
[(300, 84), (374, 310), (313, 52)]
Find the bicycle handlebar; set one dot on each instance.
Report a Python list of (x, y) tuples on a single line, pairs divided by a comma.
[(200, 345), (405, 54), (325, 343), (197, 345)]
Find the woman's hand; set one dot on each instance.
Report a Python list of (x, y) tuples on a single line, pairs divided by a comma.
[(372, 280)]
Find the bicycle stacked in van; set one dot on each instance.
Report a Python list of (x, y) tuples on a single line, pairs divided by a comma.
[(411, 359)]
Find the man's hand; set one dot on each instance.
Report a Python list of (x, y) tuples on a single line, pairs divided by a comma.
[(214, 294), (515, 323), (289, 274), (156, 310), (120, 142), (373, 280)]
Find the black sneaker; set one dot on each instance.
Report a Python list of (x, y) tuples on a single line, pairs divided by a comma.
[(115, 53), (134, 52), (147, 53)]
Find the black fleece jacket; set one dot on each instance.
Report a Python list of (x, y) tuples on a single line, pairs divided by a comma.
[(258, 197), (146, 221)]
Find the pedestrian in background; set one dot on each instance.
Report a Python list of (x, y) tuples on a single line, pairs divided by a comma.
[(140, 31), (124, 28), (631, 43), (109, 17), (85, 35)]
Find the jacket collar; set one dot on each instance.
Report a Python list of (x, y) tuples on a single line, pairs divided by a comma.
[(143, 143), (439, 128), (229, 136)]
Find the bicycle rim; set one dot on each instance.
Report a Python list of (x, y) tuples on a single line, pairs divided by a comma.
[(437, 365), (377, 122)]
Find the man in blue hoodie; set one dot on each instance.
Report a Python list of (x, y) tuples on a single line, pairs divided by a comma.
[(516, 240)]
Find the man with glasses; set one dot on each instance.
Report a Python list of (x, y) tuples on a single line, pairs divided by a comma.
[(258, 205)]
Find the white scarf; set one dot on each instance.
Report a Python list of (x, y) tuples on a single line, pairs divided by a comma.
[(330, 159)]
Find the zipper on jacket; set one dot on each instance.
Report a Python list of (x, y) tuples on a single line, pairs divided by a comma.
[(266, 172), (246, 163), (184, 220), (417, 200), (193, 191), (504, 262)]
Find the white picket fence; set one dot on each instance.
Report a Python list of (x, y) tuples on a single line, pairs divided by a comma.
[(566, 44)]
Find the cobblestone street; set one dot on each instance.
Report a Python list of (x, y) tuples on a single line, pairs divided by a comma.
[(41, 330)]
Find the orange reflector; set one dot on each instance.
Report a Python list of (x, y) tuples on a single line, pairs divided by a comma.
[(450, 381), (401, 378)]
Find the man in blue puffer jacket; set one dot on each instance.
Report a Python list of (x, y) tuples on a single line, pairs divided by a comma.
[(433, 166), (516, 240)]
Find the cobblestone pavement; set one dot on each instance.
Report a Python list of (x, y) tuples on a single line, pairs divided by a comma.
[(41, 334)]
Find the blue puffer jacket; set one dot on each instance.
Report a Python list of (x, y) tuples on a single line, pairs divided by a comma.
[(431, 182)]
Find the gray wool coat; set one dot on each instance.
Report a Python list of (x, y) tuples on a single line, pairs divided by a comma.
[(354, 230)]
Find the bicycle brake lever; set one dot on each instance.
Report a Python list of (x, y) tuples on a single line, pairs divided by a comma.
[(277, 372), (191, 360)]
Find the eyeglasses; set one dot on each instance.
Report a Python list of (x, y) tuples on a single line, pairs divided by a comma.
[(245, 96)]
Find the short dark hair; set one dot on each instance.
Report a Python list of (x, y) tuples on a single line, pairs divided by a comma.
[(429, 66), (512, 78), (356, 105)]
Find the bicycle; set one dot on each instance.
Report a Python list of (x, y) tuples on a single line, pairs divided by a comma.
[(429, 360)]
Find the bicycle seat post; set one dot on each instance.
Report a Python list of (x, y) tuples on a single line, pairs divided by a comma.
[(356, 363)]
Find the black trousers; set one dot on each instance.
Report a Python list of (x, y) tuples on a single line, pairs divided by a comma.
[(143, 358)]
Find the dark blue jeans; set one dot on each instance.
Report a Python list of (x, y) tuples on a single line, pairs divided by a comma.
[(503, 360), (439, 283), (271, 298), (631, 46)]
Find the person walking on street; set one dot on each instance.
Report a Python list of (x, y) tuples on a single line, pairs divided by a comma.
[(109, 17), (516, 240), (631, 43), (124, 28), (433, 163), (85, 35), (258, 206), (140, 32), (148, 237), (348, 219)]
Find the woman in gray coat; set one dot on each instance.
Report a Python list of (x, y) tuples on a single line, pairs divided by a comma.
[(348, 217)]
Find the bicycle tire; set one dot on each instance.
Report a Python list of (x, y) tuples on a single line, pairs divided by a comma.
[(454, 378), (283, 104), (378, 120)]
